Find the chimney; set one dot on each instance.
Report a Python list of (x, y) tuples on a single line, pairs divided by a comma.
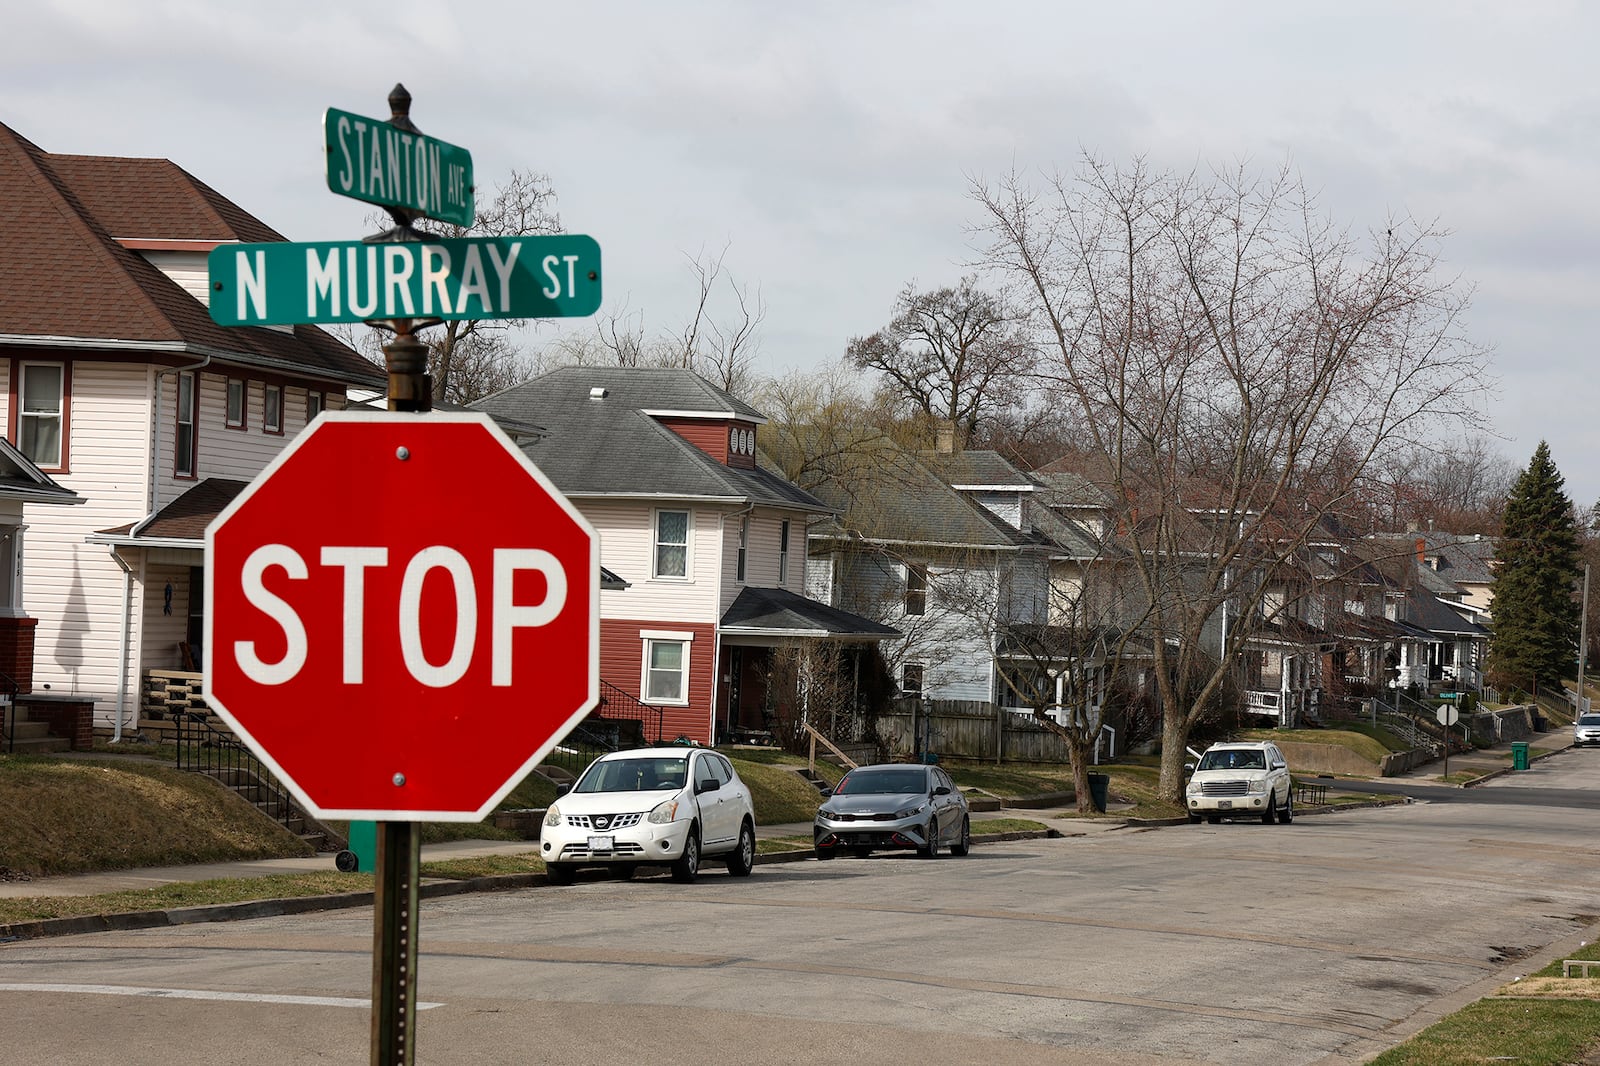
[(944, 440), (1422, 550)]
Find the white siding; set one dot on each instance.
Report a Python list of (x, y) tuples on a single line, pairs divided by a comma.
[(761, 563), (75, 589), (627, 545), (187, 269)]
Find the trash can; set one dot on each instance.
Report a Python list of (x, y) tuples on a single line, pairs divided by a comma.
[(1519, 755), (362, 855), (1099, 785), (931, 758)]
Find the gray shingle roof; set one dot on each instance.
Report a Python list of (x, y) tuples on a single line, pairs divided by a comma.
[(978, 468), (607, 446), (768, 610)]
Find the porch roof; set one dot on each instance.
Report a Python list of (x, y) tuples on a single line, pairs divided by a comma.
[(781, 613)]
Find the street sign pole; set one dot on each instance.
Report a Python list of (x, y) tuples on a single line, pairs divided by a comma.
[(395, 902)]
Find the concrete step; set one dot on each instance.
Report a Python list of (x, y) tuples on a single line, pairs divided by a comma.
[(40, 745)]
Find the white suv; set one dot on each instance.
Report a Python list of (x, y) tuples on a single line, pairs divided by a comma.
[(651, 807), (1241, 779), (1586, 730)]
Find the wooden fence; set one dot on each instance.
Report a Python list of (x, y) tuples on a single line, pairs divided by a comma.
[(968, 730)]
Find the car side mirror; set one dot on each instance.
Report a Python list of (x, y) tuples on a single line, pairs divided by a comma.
[(1280, 766), (702, 787), (827, 793), (1188, 767), (941, 791), (562, 790)]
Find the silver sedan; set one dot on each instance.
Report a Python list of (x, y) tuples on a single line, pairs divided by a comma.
[(894, 806)]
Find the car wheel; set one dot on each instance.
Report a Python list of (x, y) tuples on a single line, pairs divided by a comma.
[(1286, 815), (625, 871), (963, 844), (558, 873), (743, 859), (1194, 819), (823, 854), (930, 850), (687, 868), (1270, 814)]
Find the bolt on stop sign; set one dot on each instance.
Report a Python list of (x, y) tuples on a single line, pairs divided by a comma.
[(401, 616)]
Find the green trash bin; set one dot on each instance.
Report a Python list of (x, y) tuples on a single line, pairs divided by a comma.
[(363, 853), (1099, 786), (1519, 755)]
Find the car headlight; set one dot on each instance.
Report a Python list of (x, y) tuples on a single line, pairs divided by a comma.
[(911, 812), (1191, 788), (553, 815), (1258, 785), (665, 812)]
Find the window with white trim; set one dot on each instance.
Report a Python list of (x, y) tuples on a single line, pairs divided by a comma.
[(236, 393), (783, 552), (666, 669), (744, 547), (916, 588), (42, 392), (184, 436), (272, 409), (314, 403), (672, 544), (911, 679)]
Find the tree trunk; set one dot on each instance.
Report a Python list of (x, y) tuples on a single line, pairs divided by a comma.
[(1078, 752), (1174, 750)]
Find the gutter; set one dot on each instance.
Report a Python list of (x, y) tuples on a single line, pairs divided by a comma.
[(125, 645)]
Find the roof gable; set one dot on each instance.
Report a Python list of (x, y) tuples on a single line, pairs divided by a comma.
[(69, 282)]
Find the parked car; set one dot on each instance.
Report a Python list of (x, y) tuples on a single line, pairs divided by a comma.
[(651, 807), (893, 805), (1245, 779), (1586, 730)]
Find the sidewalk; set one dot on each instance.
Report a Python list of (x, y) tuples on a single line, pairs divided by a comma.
[(1492, 760)]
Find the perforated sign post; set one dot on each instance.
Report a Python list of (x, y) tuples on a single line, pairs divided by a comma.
[(401, 616)]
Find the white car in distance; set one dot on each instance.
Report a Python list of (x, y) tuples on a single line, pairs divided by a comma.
[(669, 807), (1249, 779)]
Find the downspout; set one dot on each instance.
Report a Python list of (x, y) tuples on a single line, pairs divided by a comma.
[(126, 644)]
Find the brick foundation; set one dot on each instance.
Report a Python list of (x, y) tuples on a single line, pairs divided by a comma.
[(16, 651), (71, 717)]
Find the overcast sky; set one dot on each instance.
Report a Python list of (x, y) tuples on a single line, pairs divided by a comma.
[(830, 146)]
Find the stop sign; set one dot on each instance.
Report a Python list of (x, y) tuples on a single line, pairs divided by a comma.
[(401, 616)]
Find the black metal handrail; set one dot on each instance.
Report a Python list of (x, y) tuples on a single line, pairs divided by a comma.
[(206, 746), (8, 713), (619, 705)]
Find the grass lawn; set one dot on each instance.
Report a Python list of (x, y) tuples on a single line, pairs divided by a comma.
[(1359, 740), (1527, 1032)]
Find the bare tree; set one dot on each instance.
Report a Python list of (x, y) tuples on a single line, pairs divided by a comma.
[(1237, 365), (951, 355)]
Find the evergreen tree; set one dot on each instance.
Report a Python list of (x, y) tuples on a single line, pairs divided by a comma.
[(1537, 566)]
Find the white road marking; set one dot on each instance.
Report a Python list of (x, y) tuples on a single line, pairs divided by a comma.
[(192, 993)]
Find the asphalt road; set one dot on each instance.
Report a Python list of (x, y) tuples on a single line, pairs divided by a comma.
[(1317, 943)]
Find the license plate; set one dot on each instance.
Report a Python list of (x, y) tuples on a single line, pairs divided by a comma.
[(600, 843), (1222, 805)]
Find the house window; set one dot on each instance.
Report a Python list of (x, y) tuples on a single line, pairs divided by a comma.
[(916, 588), (313, 405), (783, 552), (672, 544), (666, 667), (43, 405), (235, 415), (184, 449), (272, 409), (911, 679), (744, 547)]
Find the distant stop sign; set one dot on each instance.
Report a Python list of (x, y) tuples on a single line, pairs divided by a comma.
[(401, 616)]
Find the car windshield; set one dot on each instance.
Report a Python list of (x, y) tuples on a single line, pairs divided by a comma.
[(1233, 760), (634, 775), (1589, 719), (882, 782)]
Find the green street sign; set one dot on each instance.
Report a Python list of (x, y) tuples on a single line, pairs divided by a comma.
[(355, 281), (371, 160)]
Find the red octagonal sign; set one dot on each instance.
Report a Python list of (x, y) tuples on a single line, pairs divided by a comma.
[(402, 616)]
